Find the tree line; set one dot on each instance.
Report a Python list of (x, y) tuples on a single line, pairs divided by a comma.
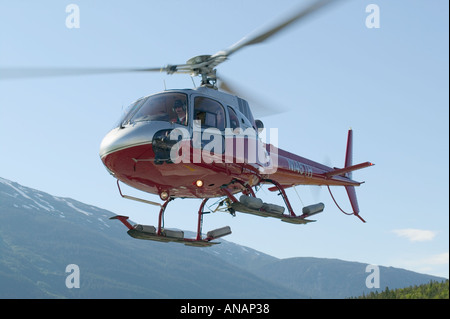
[(432, 290)]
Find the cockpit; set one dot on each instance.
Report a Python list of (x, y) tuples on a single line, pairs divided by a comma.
[(167, 107), (213, 120)]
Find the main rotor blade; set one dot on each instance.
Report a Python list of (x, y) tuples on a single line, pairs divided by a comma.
[(205, 65), (261, 106), (249, 40), (24, 72)]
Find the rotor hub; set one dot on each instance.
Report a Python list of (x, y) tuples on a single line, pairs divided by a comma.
[(204, 66)]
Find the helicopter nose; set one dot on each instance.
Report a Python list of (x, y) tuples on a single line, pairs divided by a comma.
[(126, 137), (113, 141), (129, 138), (120, 145)]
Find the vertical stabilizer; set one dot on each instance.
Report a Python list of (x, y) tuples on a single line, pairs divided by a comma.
[(347, 172), (349, 152), (349, 162)]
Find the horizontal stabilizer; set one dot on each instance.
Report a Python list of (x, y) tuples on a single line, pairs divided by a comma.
[(274, 188), (342, 171)]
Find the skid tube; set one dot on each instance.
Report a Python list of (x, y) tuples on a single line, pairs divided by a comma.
[(162, 234), (257, 207)]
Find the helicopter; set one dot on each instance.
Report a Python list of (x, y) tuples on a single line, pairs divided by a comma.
[(205, 143)]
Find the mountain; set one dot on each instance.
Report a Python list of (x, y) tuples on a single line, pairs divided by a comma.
[(40, 235), (334, 278)]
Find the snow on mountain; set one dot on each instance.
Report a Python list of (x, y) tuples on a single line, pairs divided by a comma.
[(34, 200), (41, 234)]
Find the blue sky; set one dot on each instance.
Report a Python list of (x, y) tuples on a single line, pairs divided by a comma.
[(329, 72)]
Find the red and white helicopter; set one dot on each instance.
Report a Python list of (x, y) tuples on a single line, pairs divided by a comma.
[(205, 143), (160, 147)]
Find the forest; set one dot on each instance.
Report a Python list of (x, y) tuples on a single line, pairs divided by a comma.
[(432, 290)]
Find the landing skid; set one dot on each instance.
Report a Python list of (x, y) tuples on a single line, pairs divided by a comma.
[(161, 234), (264, 211), (166, 236), (248, 203)]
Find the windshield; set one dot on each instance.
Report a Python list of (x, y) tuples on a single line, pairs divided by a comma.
[(129, 111), (168, 107)]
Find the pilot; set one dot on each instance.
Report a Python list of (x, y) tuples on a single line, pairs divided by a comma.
[(179, 107)]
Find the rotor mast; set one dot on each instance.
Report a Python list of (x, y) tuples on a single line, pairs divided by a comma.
[(204, 65)]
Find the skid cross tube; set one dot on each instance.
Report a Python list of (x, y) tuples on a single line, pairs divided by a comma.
[(283, 194), (200, 219), (161, 215), (248, 190), (228, 193)]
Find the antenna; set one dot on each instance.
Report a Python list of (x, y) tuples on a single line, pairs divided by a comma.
[(165, 89), (193, 82)]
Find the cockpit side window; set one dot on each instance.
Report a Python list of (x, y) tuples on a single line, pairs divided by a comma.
[(244, 122), (209, 112), (168, 107), (234, 120)]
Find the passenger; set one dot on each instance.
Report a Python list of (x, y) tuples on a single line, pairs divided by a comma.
[(200, 117), (179, 107)]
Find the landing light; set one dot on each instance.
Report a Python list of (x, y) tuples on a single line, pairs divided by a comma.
[(164, 195), (199, 183)]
